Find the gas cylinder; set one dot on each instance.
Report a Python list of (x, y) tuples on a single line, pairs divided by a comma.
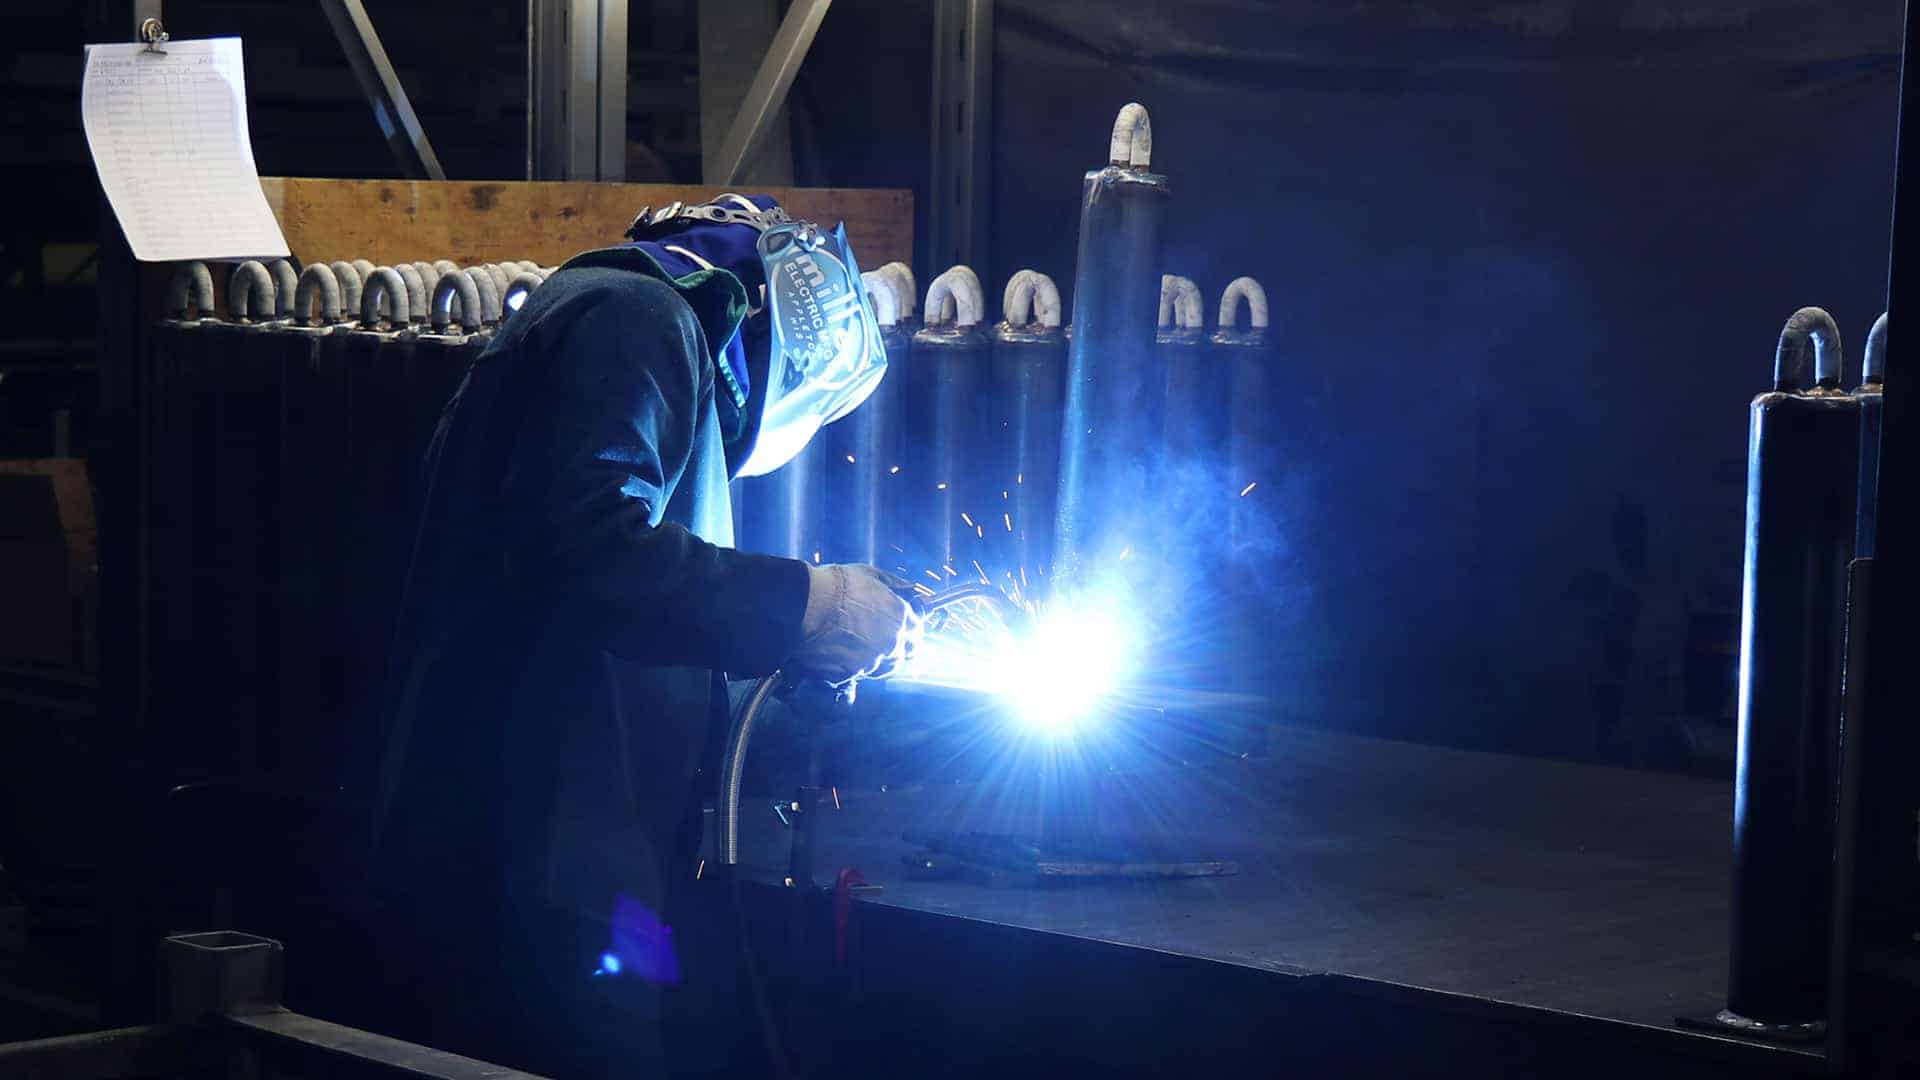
[(857, 449), (1028, 383), (1803, 469), (1244, 356), (947, 371), (1110, 448), (1872, 377)]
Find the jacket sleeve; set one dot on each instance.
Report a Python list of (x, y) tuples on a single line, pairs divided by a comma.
[(621, 378)]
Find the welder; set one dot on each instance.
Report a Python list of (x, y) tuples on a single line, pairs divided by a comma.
[(573, 608)]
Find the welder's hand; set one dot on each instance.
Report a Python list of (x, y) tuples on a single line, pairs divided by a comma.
[(858, 625)]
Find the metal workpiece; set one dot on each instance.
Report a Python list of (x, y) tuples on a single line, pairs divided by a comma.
[(365, 268), (190, 292), (316, 300), (444, 266), (383, 303), (1199, 394), (351, 281), (1110, 448), (1868, 394), (881, 294), (946, 464), (857, 452), (429, 275), (500, 275), (456, 303), (285, 281), (250, 293), (416, 291), (1027, 382), (1803, 476)]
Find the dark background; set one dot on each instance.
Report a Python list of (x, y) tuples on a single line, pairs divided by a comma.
[(1530, 259)]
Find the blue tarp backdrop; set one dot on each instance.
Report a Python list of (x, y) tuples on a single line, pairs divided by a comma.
[(1528, 261)]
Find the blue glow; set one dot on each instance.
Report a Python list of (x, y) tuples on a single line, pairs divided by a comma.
[(610, 963), (1052, 669)]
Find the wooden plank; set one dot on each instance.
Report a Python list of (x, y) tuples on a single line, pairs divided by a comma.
[(472, 222)]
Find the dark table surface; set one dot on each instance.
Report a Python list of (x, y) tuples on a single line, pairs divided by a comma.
[(1581, 889)]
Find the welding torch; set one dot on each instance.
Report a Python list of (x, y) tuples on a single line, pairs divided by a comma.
[(734, 760)]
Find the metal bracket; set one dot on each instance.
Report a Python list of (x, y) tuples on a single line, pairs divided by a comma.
[(391, 109), (769, 88), (577, 89)]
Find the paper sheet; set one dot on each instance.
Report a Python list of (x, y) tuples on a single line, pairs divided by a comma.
[(169, 138)]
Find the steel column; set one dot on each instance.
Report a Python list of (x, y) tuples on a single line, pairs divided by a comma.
[(576, 89), (768, 92), (961, 183)]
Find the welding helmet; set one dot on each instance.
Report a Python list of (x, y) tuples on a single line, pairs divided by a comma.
[(813, 322)]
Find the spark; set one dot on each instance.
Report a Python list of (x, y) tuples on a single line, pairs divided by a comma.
[(980, 532), (941, 486), (1004, 495), (936, 577), (1008, 518), (1126, 551), (951, 572), (816, 557), (1023, 577), (1019, 478), (893, 470), (965, 518), (836, 797), (984, 579), (700, 869), (850, 460), (1248, 488), (898, 548)]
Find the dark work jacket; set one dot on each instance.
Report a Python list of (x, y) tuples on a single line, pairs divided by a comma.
[(572, 601)]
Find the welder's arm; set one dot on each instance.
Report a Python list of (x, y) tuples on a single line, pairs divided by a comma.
[(604, 444)]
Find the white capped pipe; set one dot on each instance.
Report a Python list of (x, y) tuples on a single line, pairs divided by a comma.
[(955, 295), (1167, 291), (1132, 142), (886, 302), (1243, 288), (1033, 298), (1188, 306)]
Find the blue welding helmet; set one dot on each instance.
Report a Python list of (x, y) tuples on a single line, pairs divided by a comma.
[(823, 345)]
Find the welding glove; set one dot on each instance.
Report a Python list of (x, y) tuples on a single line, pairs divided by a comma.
[(857, 625)]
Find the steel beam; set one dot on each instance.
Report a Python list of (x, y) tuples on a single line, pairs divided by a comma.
[(391, 109), (768, 92), (576, 89), (961, 184)]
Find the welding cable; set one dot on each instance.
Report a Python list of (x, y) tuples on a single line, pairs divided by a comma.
[(1873, 369), (1809, 325), (1243, 288), (285, 281), (250, 292), (190, 289), (316, 298)]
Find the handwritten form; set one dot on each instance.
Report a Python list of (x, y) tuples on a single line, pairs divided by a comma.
[(169, 137)]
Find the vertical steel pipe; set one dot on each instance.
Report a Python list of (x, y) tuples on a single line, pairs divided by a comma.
[(1244, 357), (1803, 466), (1027, 377), (949, 358), (1109, 462), (1872, 379)]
